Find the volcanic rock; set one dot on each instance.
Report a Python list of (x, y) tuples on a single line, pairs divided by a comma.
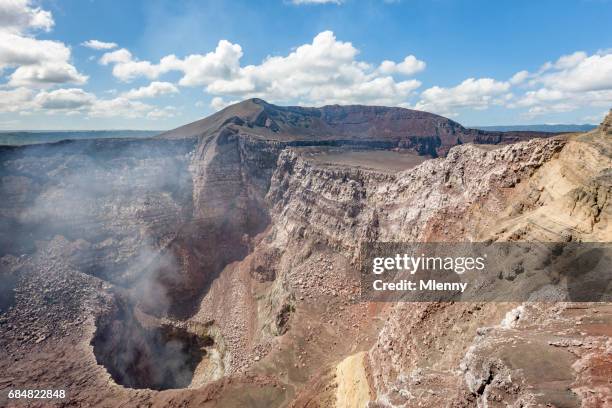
[(217, 263)]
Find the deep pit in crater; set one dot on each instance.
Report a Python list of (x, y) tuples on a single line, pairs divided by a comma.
[(138, 355)]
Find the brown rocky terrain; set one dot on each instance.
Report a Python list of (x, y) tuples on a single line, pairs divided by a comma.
[(215, 265), (373, 126)]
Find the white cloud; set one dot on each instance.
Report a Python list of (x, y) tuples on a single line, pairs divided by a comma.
[(322, 72), (162, 113), (36, 63), (548, 109), (532, 98), (126, 68), (122, 107), (153, 90), (217, 103), (224, 62), (574, 81), (64, 99), (31, 64), (571, 60), (597, 98), (377, 91), (519, 77), (76, 101), (596, 118), (472, 93), (197, 69), (46, 74), (15, 100), (119, 56), (409, 66), (18, 16), (99, 45), (119, 107), (579, 73), (16, 50)]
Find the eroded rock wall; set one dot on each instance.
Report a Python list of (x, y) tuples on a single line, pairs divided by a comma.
[(345, 207), (245, 234), (116, 198), (550, 190)]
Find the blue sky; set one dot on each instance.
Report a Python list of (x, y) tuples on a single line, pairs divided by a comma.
[(160, 64)]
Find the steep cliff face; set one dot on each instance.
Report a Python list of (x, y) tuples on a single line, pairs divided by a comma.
[(127, 199), (231, 174), (533, 354), (141, 209), (345, 207), (541, 190), (229, 247), (117, 197)]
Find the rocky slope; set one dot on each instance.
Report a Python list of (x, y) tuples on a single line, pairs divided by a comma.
[(346, 125), (542, 190), (215, 265)]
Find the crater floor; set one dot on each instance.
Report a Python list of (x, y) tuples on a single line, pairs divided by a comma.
[(217, 265)]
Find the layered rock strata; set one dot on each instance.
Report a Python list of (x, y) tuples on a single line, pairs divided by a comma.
[(231, 245)]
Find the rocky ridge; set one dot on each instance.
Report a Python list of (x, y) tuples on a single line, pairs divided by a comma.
[(255, 219)]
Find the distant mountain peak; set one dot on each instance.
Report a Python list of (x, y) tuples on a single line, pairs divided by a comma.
[(389, 126)]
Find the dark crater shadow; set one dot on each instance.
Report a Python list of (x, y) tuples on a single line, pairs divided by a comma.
[(147, 356)]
